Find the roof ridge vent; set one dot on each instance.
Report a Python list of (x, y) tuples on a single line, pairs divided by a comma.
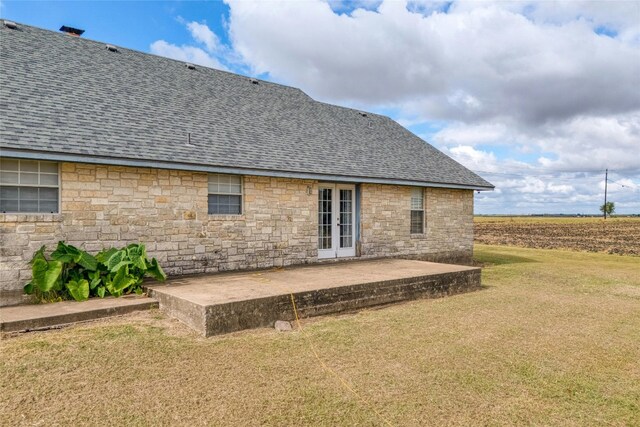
[(190, 66), (71, 31), (254, 81), (111, 48), (10, 24)]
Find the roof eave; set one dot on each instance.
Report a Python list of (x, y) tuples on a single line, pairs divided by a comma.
[(155, 164)]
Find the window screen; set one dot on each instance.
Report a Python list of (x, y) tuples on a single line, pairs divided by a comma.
[(28, 186), (417, 211), (225, 194)]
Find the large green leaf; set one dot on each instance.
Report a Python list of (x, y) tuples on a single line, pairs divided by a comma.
[(65, 253), (117, 260), (87, 261), (136, 247), (122, 280), (112, 290), (101, 290), (96, 279), (137, 254), (104, 255), (119, 266), (68, 254), (46, 274), (155, 271), (79, 290)]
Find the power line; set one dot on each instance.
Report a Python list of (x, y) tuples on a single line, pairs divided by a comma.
[(543, 172), (578, 181), (621, 185)]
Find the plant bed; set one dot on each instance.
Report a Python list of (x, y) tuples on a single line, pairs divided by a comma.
[(72, 273)]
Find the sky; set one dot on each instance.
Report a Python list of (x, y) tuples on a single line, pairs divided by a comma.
[(539, 98)]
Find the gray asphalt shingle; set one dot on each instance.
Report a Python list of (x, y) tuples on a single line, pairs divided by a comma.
[(64, 94)]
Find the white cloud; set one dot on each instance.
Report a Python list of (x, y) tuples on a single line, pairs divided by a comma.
[(479, 61), (560, 188), (582, 143), (618, 16), (474, 134), (593, 143), (185, 53), (474, 159), (208, 50), (203, 34), (568, 193), (523, 188)]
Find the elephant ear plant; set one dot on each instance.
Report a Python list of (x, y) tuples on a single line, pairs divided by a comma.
[(74, 273)]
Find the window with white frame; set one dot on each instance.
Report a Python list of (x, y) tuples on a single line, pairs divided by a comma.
[(225, 194), (28, 186), (417, 211)]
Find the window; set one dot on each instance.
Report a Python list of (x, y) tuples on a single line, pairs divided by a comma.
[(225, 194), (28, 186), (417, 211)]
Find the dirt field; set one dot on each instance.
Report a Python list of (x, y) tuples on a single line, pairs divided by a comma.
[(614, 236)]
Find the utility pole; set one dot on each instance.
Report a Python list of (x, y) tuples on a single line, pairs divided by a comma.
[(606, 179)]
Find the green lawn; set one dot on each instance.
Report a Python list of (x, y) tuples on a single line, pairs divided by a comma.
[(553, 339)]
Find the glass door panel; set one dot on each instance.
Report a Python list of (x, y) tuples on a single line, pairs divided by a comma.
[(346, 218), (325, 218)]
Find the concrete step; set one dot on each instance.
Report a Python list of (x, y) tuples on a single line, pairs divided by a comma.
[(44, 316)]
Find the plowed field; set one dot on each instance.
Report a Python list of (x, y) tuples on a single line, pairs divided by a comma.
[(615, 236)]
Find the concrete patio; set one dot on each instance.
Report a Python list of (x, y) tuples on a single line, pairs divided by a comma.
[(227, 302), (33, 317)]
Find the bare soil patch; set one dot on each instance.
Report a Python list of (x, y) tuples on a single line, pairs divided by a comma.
[(613, 236)]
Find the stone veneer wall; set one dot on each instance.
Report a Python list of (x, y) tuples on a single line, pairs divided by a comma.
[(104, 206), (385, 218)]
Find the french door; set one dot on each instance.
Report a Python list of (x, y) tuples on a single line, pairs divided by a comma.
[(336, 220)]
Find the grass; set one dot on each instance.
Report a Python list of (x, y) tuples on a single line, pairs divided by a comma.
[(553, 339)]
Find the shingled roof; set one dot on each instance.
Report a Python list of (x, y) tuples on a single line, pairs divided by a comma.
[(70, 98)]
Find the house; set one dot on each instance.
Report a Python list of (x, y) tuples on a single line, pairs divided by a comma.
[(214, 171)]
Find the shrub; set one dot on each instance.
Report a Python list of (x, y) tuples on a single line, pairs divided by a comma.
[(74, 273)]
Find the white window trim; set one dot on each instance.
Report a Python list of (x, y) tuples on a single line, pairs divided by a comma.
[(411, 210), (58, 186), (241, 194)]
